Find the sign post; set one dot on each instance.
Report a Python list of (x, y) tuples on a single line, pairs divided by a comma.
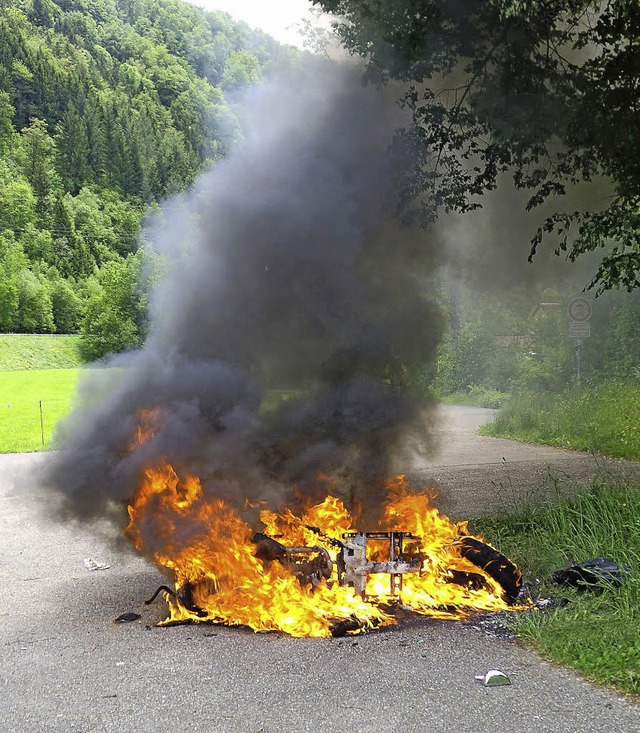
[(579, 311)]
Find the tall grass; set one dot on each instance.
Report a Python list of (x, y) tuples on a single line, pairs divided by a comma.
[(598, 632), (603, 419)]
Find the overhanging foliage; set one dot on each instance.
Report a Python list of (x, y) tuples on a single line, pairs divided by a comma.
[(547, 92)]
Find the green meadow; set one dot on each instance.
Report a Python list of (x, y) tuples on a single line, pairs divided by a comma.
[(31, 403), (38, 376)]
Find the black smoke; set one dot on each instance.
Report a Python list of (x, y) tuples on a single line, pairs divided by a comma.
[(290, 332)]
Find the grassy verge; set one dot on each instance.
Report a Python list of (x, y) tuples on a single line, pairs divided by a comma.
[(603, 419), (26, 351), (598, 632), (476, 396), (31, 403)]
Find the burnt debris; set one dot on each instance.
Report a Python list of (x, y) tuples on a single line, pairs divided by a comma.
[(494, 563), (126, 618), (590, 574)]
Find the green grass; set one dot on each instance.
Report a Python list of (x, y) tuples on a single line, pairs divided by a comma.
[(24, 397), (476, 396), (603, 419), (598, 632), (26, 351)]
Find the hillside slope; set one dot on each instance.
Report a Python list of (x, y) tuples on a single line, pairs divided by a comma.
[(106, 108)]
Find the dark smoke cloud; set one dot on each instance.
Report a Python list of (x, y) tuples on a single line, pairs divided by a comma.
[(287, 271)]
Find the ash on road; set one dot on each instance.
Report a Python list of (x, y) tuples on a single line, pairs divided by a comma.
[(65, 666)]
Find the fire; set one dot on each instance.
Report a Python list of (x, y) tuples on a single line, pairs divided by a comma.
[(431, 591), (148, 424), (223, 574)]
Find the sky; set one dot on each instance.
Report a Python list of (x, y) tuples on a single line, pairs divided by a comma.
[(275, 17)]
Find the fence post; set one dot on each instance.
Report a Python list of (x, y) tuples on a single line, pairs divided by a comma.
[(41, 423)]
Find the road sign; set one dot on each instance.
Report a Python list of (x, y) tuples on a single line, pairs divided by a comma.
[(579, 330), (579, 310)]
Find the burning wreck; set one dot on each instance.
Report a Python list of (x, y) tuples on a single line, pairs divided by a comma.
[(314, 574), (288, 268)]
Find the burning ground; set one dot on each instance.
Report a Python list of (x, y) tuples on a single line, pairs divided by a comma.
[(280, 383)]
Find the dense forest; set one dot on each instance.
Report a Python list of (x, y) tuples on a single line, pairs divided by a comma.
[(106, 108)]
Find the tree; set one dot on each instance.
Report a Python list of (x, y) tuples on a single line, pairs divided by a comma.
[(35, 312), (114, 315), (73, 255), (72, 142), (6, 126), (25, 305), (17, 204), (66, 307), (22, 83), (38, 245), (42, 12), (547, 92), (242, 68), (38, 150), (8, 283)]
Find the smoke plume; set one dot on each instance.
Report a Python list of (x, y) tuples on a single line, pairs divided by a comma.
[(289, 334)]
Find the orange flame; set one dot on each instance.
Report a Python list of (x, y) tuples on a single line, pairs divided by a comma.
[(148, 425), (431, 591), (206, 546)]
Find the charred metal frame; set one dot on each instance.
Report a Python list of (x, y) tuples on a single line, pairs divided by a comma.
[(311, 564), (354, 567)]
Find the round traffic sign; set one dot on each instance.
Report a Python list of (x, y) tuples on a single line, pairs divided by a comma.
[(579, 310)]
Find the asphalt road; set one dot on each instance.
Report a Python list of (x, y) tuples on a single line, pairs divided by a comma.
[(475, 475), (65, 666)]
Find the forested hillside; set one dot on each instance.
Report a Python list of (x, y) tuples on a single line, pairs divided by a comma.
[(106, 108)]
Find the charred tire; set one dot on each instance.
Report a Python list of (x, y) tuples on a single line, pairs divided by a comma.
[(494, 563)]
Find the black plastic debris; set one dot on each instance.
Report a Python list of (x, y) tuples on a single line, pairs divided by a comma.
[(590, 574), (473, 581), (161, 589), (126, 618), (184, 595), (346, 626)]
